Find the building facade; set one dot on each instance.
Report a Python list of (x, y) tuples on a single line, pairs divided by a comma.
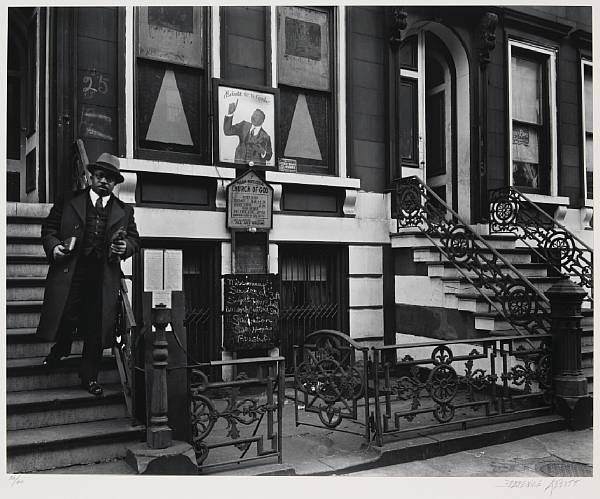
[(466, 98)]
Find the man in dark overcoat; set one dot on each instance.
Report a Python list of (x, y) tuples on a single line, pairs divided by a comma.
[(254, 143), (83, 280)]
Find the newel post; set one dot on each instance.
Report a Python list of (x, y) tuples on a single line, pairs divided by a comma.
[(571, 398), (158, 433), (160, 454)]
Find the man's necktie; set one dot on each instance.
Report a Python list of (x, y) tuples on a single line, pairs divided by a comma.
[(98, 205)]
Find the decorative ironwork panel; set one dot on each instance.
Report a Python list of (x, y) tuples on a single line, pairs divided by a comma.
[(511, 211), (330, 381), (513, 296), (438, 383), (240, 420)]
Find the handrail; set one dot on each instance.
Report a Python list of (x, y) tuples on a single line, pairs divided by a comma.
[(554, 221), (80, 175), (413, 207), (507, 215), (124, 347)]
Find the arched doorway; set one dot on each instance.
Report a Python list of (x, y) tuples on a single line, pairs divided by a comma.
[(434, 119)]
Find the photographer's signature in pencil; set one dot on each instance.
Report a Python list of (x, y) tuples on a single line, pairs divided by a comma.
[(548, 487)]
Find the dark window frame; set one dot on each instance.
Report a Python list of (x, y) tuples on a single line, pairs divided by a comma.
[(205, 98), (332, 168), (544, 129)]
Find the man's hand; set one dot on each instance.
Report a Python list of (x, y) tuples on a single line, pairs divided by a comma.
[(59, 253), (232, 107), (118, 247)]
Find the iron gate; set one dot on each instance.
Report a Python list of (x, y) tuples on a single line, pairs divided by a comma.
[(330, 380), (312, 292)]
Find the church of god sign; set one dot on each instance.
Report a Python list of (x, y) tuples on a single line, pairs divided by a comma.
[(249, 203)]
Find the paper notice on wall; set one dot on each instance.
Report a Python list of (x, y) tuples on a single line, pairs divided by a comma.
[(173, 260), (153, 270), (161, 298)]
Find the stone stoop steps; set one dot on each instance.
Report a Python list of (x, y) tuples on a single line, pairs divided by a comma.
[(51, 421), (460, 294)]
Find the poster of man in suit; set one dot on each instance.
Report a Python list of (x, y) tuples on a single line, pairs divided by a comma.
[(248, 123)]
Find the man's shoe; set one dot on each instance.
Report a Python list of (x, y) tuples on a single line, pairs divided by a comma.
[(52, 360), (93, 387)]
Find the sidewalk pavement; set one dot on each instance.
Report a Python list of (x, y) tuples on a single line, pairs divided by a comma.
[(531, 447)]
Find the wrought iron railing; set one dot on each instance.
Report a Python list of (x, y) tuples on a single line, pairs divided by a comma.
[(125, 334), (80, 176), (513, 296), (513, 212), (330, 381), (229, 419), (439, 385)]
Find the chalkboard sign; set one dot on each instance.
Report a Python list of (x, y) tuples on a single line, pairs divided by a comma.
[(251, 311)]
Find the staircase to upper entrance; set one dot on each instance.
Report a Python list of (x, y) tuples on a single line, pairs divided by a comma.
[(51, 421), (454, 281)]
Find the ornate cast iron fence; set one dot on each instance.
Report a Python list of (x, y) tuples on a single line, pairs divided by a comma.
[(125, 334), (231, 418), (511, 211), (330, 381), (441, 384), (514, 297)]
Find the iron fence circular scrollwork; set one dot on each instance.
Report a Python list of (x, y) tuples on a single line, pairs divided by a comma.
[(441, 355), (443, 383), (204, 415), (459, 244), (559, 247), (330, 415), (504, 209), (444, 413), (518, 304)]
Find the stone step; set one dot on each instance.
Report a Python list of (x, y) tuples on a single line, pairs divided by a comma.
[(514, 256), (26, 344), (414, 238), (23, 229), (69, 444), (25, 293), (35, 211), (23, 314), (25, 248), (453, 285), (448, 270), (30, 374), (26, 266), (39, 408)]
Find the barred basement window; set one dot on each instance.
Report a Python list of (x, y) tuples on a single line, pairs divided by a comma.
[(171, 84)]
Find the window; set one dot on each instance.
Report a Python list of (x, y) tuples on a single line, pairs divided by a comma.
[(588, 128), (307, 86), (172, 84), (532, 126)]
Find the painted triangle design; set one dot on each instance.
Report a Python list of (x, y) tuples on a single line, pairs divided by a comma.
[(168, 123), (302, 141)]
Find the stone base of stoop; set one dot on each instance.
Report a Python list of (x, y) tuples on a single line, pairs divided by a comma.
[(177, 459)]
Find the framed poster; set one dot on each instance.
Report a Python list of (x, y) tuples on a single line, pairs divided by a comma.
[(245, 125), (303, 46), (171, 34)]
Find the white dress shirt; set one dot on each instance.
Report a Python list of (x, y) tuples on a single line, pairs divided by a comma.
[(94, 197)]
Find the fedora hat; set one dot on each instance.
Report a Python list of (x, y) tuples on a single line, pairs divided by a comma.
[(108, 163)]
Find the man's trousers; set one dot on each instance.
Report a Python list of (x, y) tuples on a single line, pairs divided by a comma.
[(83, 311)]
